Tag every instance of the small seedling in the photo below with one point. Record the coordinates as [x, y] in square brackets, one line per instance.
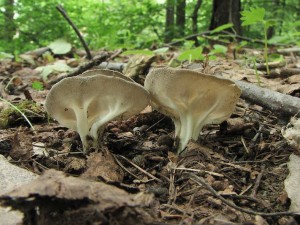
[256, 71]
[37, 85]
[254, 16]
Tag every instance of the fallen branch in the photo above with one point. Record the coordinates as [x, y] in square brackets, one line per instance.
[94, 62]
[64, 14]
[277, 102]
[209, 35]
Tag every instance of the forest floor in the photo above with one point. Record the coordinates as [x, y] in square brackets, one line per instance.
[234, 173]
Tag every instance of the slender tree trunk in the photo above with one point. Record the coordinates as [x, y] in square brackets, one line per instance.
[169, 25]
[271, 30]
[226, 11]
[195, 20]
[180, 17]
[9, 25]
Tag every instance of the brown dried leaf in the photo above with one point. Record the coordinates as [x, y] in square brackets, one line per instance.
[292, 182]
[21, 146]
[103, 165]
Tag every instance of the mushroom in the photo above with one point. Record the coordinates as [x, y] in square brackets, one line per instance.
[106, 72]
[88, 102]
[191, 99]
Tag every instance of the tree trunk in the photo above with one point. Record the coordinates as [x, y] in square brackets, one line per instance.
[9, 25]
[271, 30]
[195, 20]
[169, 25]
[180, 17]
[226, 11]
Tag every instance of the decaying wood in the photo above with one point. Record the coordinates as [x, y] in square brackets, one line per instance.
[263, 66]
[283, 72]
[278, 103]
[112, 66]
[289, 50]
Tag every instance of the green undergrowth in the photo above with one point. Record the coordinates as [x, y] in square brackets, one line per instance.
[23, 112]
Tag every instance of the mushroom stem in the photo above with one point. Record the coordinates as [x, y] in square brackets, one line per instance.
[177, 127]
[82, 126]
[187, 126]
[97, 127]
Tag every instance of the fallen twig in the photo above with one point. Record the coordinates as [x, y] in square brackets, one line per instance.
[257, 182]
[95, 61]
[124, 168]
[277, 102]
[140, 169]
[65, 15]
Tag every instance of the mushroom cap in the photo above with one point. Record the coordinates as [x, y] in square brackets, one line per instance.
[87, 103]
[191, 99]
[105, 72]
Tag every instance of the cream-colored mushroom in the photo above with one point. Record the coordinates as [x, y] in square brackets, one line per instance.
[106, 72]
[191, 99]
[87, 103]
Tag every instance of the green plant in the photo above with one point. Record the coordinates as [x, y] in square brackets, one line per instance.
[256, 71]
[191, 54]
[257, 16]
[37, 85]
[19, 111]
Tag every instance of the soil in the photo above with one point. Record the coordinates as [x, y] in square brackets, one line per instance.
[233, 174]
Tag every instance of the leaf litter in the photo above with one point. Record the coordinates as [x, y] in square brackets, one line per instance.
[234, 174]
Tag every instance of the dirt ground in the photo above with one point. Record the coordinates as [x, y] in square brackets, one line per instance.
[233, 174]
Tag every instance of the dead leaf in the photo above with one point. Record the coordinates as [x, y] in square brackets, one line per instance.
[75, 164]
[292, 133]
[293, 79]
[292, 182]
[21, 146]
[288, 88]
[103, 165]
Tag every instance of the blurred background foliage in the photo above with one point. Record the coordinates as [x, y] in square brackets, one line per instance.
[131, 24]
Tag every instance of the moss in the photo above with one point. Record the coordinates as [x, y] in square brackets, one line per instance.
[11, 117]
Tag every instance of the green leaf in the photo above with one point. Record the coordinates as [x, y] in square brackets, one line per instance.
[296, 34]
[4, 55]
[219, 49]
[222, 27]
[161, 50]
[276, 57]
[60, 47]
[59, 66]
[37, 85]
[192, 54]
[270, 23]
[253, 16]
[138, 52]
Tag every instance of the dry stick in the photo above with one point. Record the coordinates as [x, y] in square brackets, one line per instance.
[277, 102]
[64, 14]
[250, 39]
[95, 61]
[257, 182]
[201, 181]
[206, 33]
[142, 170]
[124, 168]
